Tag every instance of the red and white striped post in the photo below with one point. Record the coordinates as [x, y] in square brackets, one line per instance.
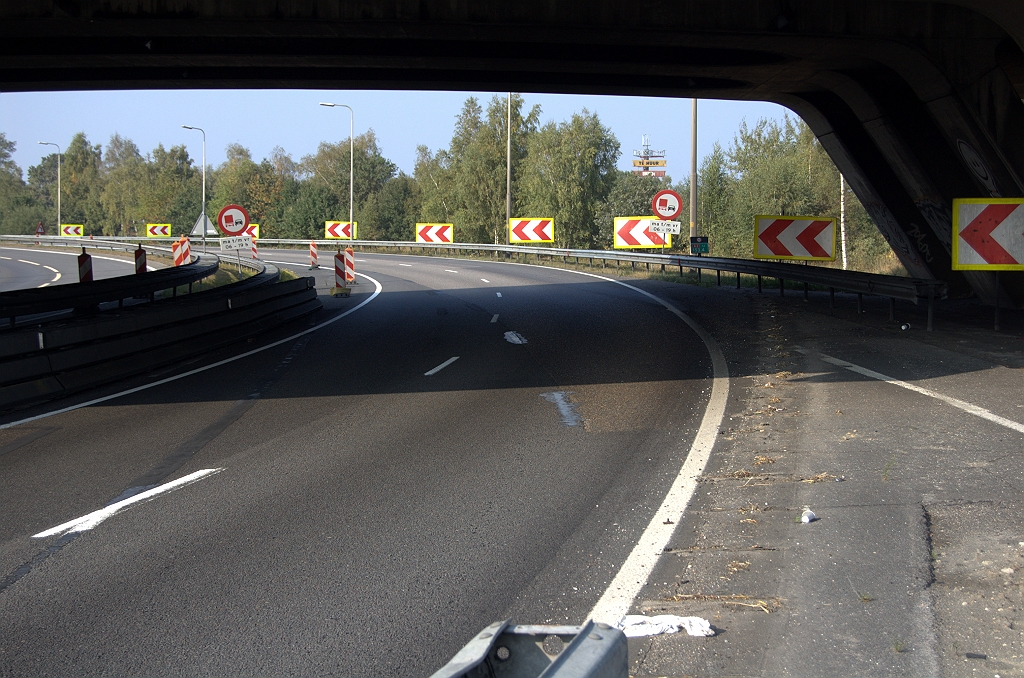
[140, 260]
[314, 258]
[339, 269]
[84, 267]
[350, 265]
[188, 250]
[255, 252]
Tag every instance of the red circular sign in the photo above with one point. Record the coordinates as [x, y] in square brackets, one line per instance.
[667, 204]
[233, 220]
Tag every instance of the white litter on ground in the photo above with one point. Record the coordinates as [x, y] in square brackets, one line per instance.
[638, 625]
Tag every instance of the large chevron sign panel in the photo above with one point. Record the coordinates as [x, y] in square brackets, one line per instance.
[635, 232]
[800, 238]
[436, 233]
[340, 230]
[527, 230]
[988, 234]
[158, 230]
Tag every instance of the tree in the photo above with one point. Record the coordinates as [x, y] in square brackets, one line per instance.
[569, 171]
[19, 210]
[127, 182]
[630, 195]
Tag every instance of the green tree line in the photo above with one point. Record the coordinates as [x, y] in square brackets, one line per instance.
[563, 170]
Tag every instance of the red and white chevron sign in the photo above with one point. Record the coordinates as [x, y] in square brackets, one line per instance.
[340, 230]
[531, 230]
[988, 234]
[435, 233]
[802, 238]
[635, 232]
[72, 230]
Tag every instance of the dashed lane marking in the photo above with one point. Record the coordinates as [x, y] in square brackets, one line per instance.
[494, 318]
[448, 270]
[485, 280]
[34, 263]
[410, 265]
[499, 295]
[440, 367]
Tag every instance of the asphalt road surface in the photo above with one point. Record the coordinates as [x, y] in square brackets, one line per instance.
[477, 441]
[25, 268]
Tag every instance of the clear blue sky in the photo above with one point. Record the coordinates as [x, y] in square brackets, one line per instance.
[262, 119]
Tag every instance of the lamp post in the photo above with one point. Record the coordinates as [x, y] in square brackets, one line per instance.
[50, 143]
[202, 215]
[351, 157]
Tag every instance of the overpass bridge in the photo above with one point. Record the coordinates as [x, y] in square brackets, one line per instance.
[918, 102]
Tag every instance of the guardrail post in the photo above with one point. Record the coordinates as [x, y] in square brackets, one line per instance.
[759, 284]
[698, 276]
[997, 302]
[718, 273]
[737, 279]
[860, 303]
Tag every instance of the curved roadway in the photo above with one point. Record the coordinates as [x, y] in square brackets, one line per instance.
[24, 268]
[377, 502]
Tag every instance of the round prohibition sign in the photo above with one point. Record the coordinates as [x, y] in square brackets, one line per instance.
[233, 220]
[667, 204]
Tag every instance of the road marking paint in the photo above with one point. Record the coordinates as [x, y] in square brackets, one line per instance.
[51, 268]
[440, 367]
[362, 260]
[631, 577]
[448, 270]
[566, 409]
[232, 359]
[514, 338]
[7, 258]
[499, 295]
[410, 265]
[29, 262]
[44, 285]
[91, 520]
[494, 318]
[485, 280]
[949, 400]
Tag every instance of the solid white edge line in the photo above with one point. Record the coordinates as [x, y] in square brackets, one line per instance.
[25, 261]
[949, 400]
[633, 574]
[440, 367]
[91, 520]
[232, 359]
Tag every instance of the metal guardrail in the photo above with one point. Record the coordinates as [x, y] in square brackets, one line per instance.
[916, 290]
[89, 295]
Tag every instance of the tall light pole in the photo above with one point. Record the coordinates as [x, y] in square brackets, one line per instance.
[202, 215]
[508, 166]
[693, 172]
[50, 143]
[351, 157]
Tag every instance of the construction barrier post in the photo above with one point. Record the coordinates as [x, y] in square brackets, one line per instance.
[314, 258]
[255, 252]
[140, 260]
[340, 289]
[350, 266]
[84, 267]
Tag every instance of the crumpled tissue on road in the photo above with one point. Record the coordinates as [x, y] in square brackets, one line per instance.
[638, 625]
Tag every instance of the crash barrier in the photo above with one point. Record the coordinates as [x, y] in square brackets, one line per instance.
[517, 651]
[60, 357]
[915, 290]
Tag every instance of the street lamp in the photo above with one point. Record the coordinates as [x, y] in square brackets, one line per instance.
[351, 157]
[50, 143]
[202, 216]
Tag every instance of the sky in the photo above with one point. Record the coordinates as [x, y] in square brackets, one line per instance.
[292, 119]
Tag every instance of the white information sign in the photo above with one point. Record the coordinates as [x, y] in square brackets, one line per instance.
[236, 242]
[666, 227]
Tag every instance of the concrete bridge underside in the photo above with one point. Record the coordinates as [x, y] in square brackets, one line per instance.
[918, 102]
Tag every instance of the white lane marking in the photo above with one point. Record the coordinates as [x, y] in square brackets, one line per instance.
[91, 520]
[494, 318]
[51, 268]
[485, 280]
[949, 400]
[45, 285]
[499, 295]
[448, 270]
[410, 265]
[29, 262]
[514, 338]
[144, 387]
[631, 577]
[362, 260]
[440, 367]
[7, 258]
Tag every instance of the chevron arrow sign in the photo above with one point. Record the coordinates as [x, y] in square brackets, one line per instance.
[340, 230]
[800, 238]
[158, 230]
[436, 233]
[72, 230]
[635, 232]
[525, 230]
[988, 234]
